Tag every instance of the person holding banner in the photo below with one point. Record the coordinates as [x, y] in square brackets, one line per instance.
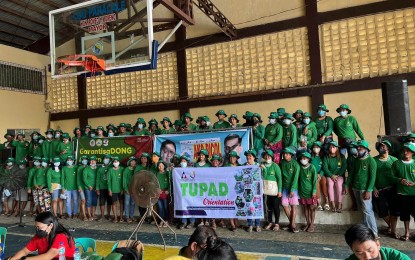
[155, 158]
[102, 187]
[271, 175]
[115, 188]
[233, 162]
[290, 169]
[184, 161]
[89, 178]
[250, 160]
[163, 176]
[307, 190]
[144, 162]
[202, 159]
[127, 174]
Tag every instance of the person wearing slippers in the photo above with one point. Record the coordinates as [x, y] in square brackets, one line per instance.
[290, 169]
[365, 245]
[115, 190]
[307, 190]
[403, 174]
[316, 160]
[271, 175]
[362, 179]
[334, 168]
[384, 192]
[251, 156]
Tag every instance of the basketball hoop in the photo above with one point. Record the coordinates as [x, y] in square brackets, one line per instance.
[90, 62]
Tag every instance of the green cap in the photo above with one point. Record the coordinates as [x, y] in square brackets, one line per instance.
[199, 118]
[50, 130]
[70, 157]
[385, 142]
[163, 162]
[221, 112]
[268, 152]
[410, 136]
[206, 118]
[364, 144]
[177, 122]
[21, 133]
[234, 116]
[216, 157]
[88, 126]
[322, 107]
[248, 114]
[273, 115]
[93, 157]
[185, 158]
[128, 125]
[156, 153]
[317, 143]
[107, 156]
[45, 159]
[288, 116]
[141, 120]
[145, 155]
[56, 159]
[306, 114]
[305, 154]
[289, 150]
[66, 136]
[153, 122]
[334, 143]
[37, 158]
[204, 151]
[353, 144]
[233, 154]
[187, 115]
[100, 128]
[58, 131]
[281, 111]
[410, 146]
[298, 111]
[122, 125]
[250, 151]
[257, 115]
[165, 119]
[132, 158]
[115, 158]
[84, 157]
[111, 126]
[22, 162]
[344, 106]
[10, 159]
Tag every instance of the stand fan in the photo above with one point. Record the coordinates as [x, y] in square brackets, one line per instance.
[145, 190]
[14, 180]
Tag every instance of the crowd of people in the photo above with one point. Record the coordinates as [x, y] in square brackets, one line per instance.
[298, 154]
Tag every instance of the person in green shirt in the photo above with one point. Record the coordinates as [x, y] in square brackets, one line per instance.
[346, 126]
[9, 168]
[204, 123]
[163, 177]
[100, 132]
[65, 147]
[54, 180]
[317, 161]
[362, 179]
[365, 245]
[307, 190]
[324, 125]
[153, 127]
[140, 128]
[403, 172]
[81, 186]
[351, 159]
[289, 131]
[115, 190]
[22, 147]
[187, 121]
[202, 159]
[89, 176]
[86, 131]
[221, 123]
[36, 149]
[77, 134]
[34, 137]
[334, 168]
[69, 187]
[384, 191]
[127, 174]
[234, 121]
[298, 120]
[233, 159]
[111, 130]
[41, 185]
[258, 132]
[56, 142]
[122, 129]
[34, 204]
[155, 157]
[177, 125]
[273, 137]
[102, 187]
[167, 126]
[308, 130]
[47, 144]
[249, 119]
[144, 162]
[271, 176]
[290, 169]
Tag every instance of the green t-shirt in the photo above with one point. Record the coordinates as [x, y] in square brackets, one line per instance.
[346, 127]
[318, 164]
[310, 131]
[333, 166]
[384, 176]
[143, 132]
[40, 177]
[167, 131]
[102, 177]
[386, 254]
[69, 177]
[126, 177]
[402, 170]
[164, 180]
[350, 163]
[30, 177]
[89, 177]
[68, 147]
[290, 171]
[307, 181]
[273, 133]
[207, 164]
[140, 167]
[272, 172]
[289, 136]
[22, 149]
[221, 124]
[324, 126]
[258, 139]
[363, 175]
[47, 148]
[115, 179]
[80, 177]
[53, 176]
[55, 145]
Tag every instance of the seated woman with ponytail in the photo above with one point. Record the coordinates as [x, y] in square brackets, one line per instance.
[216, 249]
[49, 235]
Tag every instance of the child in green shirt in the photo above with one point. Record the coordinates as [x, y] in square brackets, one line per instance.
[102, 187]
[69, 186]
[129, 204]
[307, 190]
[54, 179]
[115, 189]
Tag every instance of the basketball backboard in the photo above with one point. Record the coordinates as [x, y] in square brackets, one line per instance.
[121, 32]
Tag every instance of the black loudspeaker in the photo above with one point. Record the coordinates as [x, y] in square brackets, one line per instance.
[396, 107]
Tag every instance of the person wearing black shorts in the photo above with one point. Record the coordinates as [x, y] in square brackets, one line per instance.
[102, 187]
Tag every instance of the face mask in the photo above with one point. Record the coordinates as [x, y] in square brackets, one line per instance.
[306, 121]
[272, 121]
[183, 164]
[36, 163]
[287, 121]
[35, 137]
[116, 164]
[155, 159]
[208, 123]
[382, 151]
[110, 134]
[92, 135]
[57, 164]
[86, 133]
[316, 150]
[40, 141]
[269, 161]
[362, 153]
[44, 164]
[343, 113]
[22, 166]
[41, 233]
[57, 135]
[9, 164]
[69, 163]
[304, 162]
[106, 161]
[321, 113]
[93, 164]
[140, 126]
[84, 162]
[49, 136]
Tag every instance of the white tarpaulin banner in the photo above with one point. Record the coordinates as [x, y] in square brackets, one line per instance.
[222, 192]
